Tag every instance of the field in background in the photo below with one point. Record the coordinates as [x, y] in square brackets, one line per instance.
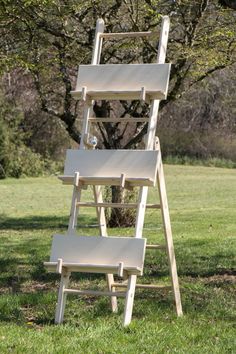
[202, 202]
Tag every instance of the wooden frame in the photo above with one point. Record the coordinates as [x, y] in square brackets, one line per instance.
[146, 82]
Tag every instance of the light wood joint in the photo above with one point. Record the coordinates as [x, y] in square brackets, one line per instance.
[59, 266]
[76, 179]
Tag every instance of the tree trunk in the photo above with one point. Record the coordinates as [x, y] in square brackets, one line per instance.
[118, 217]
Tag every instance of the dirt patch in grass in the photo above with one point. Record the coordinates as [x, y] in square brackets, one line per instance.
[220, 279]
[228, 278]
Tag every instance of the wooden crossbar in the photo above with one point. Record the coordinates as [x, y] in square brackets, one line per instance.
[95, 292]
[120, 35]
[116, 120]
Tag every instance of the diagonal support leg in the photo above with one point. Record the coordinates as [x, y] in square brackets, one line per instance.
[103, 232]
[129, 300]
[61, 300]
[169, 239]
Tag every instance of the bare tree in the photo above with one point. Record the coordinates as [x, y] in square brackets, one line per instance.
[49, 40]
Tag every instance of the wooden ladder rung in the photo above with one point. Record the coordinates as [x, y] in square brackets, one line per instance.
[160, 247]
[143, 286]
[95, 292]
[119, 35]
[108, 205]
[117, 120]
[115, 205]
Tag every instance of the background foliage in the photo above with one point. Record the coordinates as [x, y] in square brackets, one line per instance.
[43, 42]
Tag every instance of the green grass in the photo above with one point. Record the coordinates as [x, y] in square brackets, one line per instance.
[193, 161]
[202, 202]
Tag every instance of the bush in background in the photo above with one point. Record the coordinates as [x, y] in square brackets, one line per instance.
[17, 159]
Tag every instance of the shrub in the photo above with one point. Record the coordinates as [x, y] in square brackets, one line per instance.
[188, 146]
[16, 159]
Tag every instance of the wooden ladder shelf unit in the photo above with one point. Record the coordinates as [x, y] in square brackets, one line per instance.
[125, 168]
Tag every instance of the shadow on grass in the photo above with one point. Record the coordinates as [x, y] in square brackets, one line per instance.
[35, 222]
[22, 257]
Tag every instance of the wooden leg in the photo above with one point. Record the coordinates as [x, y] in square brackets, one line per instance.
[142, 200]
[97, 191]
[169, 239]
[74, 211]
[129, 300]
[61, 300]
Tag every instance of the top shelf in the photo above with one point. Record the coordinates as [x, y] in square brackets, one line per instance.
[122, 81]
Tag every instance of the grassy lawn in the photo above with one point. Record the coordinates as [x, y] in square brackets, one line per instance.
[202, 202]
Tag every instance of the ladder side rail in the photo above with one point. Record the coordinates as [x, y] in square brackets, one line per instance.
[97, 189]
[151, 133]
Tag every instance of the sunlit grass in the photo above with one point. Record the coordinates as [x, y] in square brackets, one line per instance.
[202, 204]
